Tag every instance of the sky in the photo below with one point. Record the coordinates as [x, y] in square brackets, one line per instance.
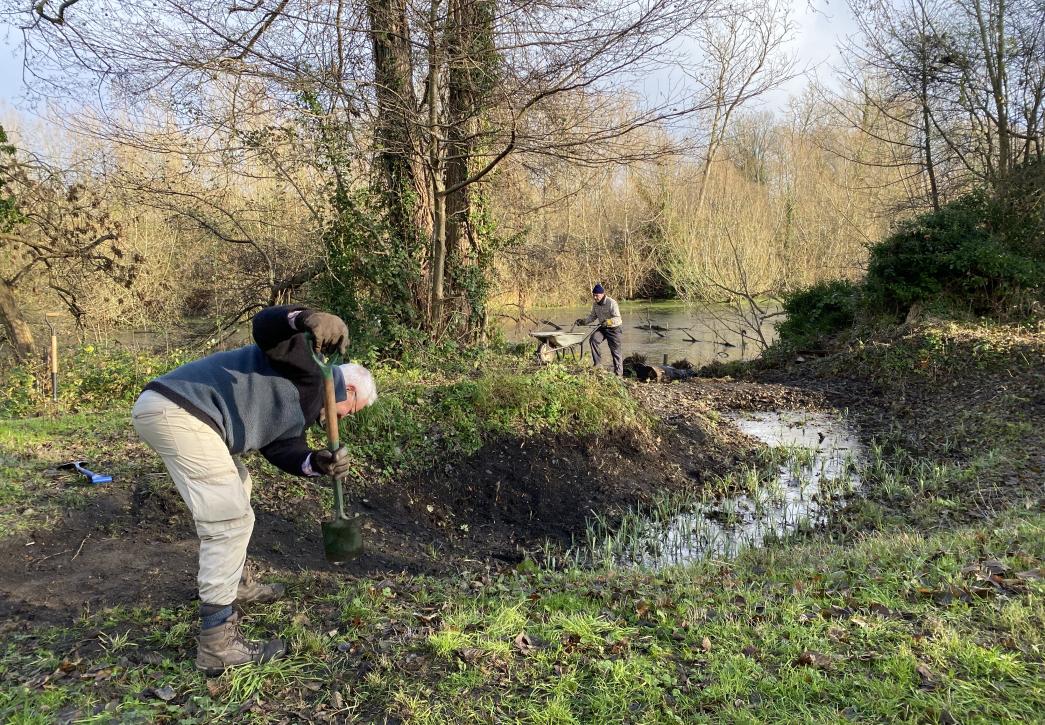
[820, 25]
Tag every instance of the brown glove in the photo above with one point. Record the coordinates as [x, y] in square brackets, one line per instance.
[329, 463]
[329, 331]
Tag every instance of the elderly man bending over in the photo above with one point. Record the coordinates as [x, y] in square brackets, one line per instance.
[202, 416]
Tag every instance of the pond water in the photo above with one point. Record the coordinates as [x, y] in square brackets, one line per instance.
[701, 335]
[816, 457]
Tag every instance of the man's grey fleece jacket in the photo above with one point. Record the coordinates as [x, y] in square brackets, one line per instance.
[260, 397]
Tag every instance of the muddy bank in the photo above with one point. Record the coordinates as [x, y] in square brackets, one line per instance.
[957, 408]
[132, 542]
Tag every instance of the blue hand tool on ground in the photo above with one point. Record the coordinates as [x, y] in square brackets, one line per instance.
[94, 478]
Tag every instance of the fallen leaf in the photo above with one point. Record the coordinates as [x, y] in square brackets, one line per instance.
[471, 655]
[214, 687]
[427, 618]
[165, 693]
[993, 566]
[413, 663]
[1031, 575]
[705, 644]
[929, 680]
[881, 610]
[523, 643]
[836, 612]
[818, 660]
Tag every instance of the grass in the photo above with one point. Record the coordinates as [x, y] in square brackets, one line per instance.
[32, 491]
[432, 409]
[923, 601]
[899, 627]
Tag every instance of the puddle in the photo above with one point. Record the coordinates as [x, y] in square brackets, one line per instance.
[817, 457]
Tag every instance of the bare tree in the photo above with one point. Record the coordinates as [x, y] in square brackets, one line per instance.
[499, 79]
[744, 61]
[958, 82]
[60, 228]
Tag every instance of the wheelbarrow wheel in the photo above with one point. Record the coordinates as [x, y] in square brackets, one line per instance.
[545, 353]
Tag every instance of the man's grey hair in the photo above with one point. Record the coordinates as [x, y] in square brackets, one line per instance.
[362, 380]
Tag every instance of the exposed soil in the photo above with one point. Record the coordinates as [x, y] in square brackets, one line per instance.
[133, 542]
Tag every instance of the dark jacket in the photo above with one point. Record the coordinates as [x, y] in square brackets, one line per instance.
[259, 397]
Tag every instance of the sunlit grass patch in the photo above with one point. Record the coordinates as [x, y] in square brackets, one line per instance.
[813, 632]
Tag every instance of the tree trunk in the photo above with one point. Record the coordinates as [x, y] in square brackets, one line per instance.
[18, 331]
[471, 53]
[398, 163]
[992, 39]
[660, 373]
[436, 171]
[934, 192]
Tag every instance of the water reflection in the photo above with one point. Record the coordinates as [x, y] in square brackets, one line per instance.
[679, 331]
[816, 458]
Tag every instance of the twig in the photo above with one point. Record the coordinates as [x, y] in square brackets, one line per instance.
[81, 547]
[37, 562]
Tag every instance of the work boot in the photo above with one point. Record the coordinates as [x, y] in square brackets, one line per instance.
[254, 591]
[223, 646]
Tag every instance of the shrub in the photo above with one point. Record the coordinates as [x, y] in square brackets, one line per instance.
[90, 378]
[819, 311]
[952, 256]
[1018, 214]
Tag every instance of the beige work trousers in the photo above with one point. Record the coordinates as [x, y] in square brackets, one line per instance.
[214, 485]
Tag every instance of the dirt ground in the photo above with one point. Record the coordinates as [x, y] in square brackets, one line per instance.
[134, 544]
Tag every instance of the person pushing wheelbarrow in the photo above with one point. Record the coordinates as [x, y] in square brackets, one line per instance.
[202, 416]
[606, 311]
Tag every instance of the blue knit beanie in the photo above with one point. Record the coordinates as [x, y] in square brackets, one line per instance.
[597, 290]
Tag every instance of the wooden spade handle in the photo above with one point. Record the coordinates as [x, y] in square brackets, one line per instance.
[330, 406]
